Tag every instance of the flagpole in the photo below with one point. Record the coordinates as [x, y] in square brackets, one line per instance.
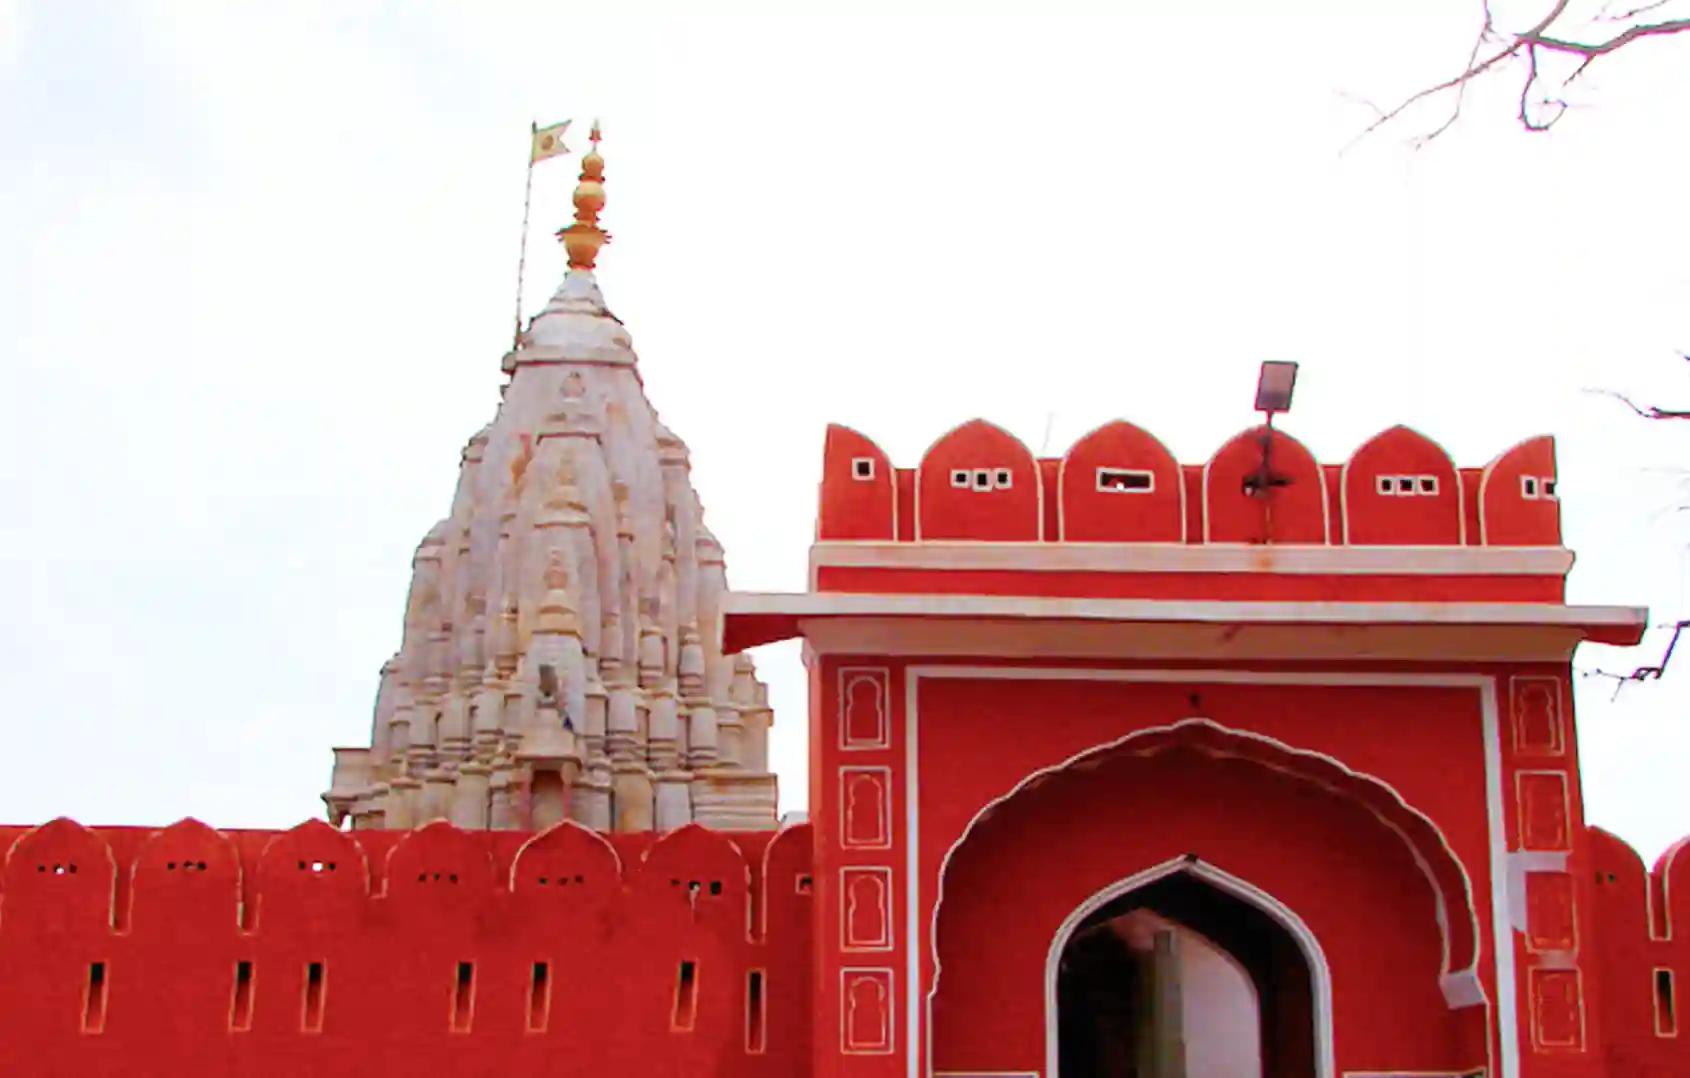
[522, 251]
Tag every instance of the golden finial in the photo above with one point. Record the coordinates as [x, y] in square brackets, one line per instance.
[584, 238]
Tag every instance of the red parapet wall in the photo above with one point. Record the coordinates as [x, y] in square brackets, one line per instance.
[1119, 484]
[192, 951]
[1641, 922]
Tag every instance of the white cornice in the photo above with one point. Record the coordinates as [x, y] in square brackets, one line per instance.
[1193, 558]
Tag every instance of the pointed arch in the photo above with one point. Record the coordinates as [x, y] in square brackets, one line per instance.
[859, 497]
[1295, 508]
[1400, 488]
[1119, 483]
[1003, 499]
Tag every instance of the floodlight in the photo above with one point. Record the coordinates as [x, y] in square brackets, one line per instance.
[1274, 386]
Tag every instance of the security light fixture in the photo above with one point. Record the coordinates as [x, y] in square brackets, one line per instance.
[1274, 386]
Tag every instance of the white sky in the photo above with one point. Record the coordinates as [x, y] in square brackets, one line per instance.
[255, 280]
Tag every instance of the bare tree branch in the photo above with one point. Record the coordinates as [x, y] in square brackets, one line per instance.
[1506, 47]
[1646, 673]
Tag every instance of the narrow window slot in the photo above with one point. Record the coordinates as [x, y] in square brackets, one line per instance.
[686, 997]
[1666, 1008]
[539, 997]
[982, 479]
[1528, 486]
[1405, 484]
[754, 1024]
[1428, 484]
[240, 1006]
[311, 1018]
[959, 478]
[94, 999]
[463, 998]
[1386, 486]
[862, 467]
[1126, 480]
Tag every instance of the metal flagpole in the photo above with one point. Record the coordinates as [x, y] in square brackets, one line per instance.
[522, 252]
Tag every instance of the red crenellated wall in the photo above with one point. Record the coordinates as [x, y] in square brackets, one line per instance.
[1399, 488]
[323, 952]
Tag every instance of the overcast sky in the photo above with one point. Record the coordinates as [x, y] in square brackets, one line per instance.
[256, 272]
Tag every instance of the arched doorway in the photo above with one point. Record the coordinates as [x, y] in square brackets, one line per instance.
[1178, 978]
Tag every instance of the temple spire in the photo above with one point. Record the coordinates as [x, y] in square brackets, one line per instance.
[583, 239]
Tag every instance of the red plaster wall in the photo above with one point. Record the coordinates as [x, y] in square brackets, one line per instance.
[1091, 515]
[613, 936]
[945, 512]
[1419, 519]
[1507, 517]
[1293, 513]
[853, 507]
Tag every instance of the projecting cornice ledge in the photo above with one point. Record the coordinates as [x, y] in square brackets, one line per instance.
[1020, 626]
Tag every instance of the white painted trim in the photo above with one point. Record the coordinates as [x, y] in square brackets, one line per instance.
[891, 1012]
[1289, 559]
[1665, 862]
[1320, 973]
[516, 859]
[890, 941]
[1521, 773]
[1246, 612]
[1655, 1000]
[887, 807]
[882, 677]
[1503, 1053]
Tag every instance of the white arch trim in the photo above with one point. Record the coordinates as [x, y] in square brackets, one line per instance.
[1461, 988]
[1320, 973]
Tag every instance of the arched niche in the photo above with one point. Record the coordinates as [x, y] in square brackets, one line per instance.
[979, 482]
[1263, 486]
[1401, 489]
[858, 489]
[1365, 882]
[1120, 484]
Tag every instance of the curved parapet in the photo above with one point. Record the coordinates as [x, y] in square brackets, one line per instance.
[1120, 484]
[979, 482]
[1519, 497]
[1401, 489]
[1263, 486]
[568, 861]
[310, 876]
[858, 488]
[59, 879]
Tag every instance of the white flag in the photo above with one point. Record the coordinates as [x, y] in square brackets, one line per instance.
[548, 142]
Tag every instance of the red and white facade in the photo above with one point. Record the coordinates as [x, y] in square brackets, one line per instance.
[1330, 699]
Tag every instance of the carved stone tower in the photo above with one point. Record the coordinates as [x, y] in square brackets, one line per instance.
[560, 656]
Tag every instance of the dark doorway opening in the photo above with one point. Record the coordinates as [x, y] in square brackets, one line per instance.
[1179, 979]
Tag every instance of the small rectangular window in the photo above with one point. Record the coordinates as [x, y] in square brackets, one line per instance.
[959, 478]
[982, 479]
[240, 1008]
[1548, 488]
[686, 998]
[1126, 480]
[1386, 485]
[463, 998]
[803, 884]
[1666, 1007]
[862, 467]
[311, 1018]
[1428, 484]
[94, 999]
[1528, 486]
[539, 997]
[1405, 484]
[1004, 478]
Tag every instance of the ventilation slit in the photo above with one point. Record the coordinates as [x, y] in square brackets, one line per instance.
[1666, 1010]
[311, 1020]
[539, 997]
[463, 998]
[686, 997]
[754, 1012]
[240, 1007]
[94, 1000]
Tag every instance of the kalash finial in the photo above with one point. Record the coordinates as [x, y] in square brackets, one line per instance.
[584, 238]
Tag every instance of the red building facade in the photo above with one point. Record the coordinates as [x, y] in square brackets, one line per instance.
[1316, 716]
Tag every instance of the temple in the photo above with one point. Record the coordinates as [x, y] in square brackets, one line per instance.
[1259, 767]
